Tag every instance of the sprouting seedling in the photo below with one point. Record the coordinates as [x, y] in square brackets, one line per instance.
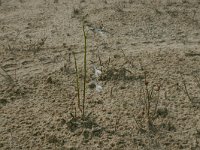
[77, 81]
[85, 71]
[85, 76]
[97, 72]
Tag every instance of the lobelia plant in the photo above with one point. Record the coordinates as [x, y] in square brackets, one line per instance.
[85, 71]
[81, 104]
[81, 107]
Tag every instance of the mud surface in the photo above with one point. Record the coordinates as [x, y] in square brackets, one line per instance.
[147, 51]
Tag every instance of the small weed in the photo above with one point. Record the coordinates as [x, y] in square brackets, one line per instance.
[80, 106]
[149, 95]
[77, 82]
[82, 120]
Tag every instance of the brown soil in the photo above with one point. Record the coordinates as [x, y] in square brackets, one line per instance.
[146, 50]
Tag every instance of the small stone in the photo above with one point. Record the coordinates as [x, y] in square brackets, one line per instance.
[49, 80]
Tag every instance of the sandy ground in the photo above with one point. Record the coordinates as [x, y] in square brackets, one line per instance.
[140, 46]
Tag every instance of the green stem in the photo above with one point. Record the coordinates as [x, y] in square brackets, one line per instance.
[77, 81]
[85, 71]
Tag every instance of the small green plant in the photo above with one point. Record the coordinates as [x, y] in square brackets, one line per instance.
[81, 104]
[150, 96]
[77, 81]
[83, 120]
[81, 107]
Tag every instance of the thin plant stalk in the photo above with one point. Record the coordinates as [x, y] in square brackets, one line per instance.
[157, 100]
[197, 80]
[147, 96]
[85, 71]
[185, 87]
[77, 81]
